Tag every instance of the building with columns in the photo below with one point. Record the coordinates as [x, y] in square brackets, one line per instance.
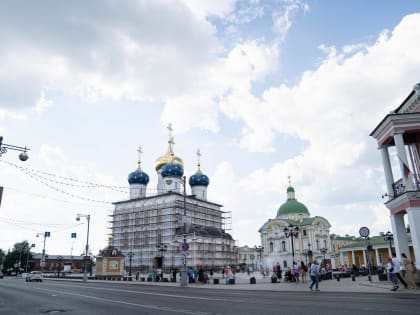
[312, 240]
[399, 133]
[356, 252]
[149, 228]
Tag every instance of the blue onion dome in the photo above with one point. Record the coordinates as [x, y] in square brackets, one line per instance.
[199, 179]
[138, 177]
[172, 170]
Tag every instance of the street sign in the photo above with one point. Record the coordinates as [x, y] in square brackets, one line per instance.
[364, 231]
[73, 235]
[47, 234]
[185, 247]
[32, 245]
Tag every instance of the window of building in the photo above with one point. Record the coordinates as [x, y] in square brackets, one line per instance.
[325, 243]
[304, 232]
[317, 244]
[283, 246]
[271, 247]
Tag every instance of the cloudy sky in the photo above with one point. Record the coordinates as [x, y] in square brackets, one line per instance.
[265, 89]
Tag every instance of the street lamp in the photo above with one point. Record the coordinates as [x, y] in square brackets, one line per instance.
[389, 237]
[293, 232]
[162, 248]
[130, 259]
[46, 234]
[185, 246]
[4, 147]
[87, 216]
[323, 252]
[59, 261]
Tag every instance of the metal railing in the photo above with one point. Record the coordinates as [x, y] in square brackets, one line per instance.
[399, 188]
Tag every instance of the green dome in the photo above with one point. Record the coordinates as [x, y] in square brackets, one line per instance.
[290, 189]
[292, 206]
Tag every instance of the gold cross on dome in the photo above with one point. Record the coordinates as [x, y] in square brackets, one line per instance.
[290, 180]
[198, 158]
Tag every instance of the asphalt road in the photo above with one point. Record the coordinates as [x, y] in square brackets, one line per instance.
[59, 297]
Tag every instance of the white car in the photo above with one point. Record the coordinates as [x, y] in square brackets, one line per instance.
[34, 276]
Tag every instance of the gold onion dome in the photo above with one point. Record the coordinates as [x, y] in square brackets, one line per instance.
[169, 157]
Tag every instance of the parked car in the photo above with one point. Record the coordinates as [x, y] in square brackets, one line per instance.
[34, 276]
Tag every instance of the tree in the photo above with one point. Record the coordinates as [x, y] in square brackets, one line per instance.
[16, 258]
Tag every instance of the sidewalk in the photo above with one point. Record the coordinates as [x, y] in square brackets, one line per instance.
[242, 282]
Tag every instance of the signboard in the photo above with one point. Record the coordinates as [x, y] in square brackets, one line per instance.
[185, 247]
[73, 235]
[47, 234]
[364, 231]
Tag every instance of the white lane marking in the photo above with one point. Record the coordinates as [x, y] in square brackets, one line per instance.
[152, 293]
[127, 303]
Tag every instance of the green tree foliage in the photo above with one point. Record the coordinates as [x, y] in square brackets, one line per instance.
[16, 258]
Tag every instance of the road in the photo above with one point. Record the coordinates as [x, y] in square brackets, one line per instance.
[59, 297]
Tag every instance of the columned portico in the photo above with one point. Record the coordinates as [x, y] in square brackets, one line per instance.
[401, 129]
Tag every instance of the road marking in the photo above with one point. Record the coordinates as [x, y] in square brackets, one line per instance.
[153, 293]
[165, 308]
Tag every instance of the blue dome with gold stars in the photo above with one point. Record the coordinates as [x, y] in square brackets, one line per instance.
[172, 170]
[199, 179]
[138, 177]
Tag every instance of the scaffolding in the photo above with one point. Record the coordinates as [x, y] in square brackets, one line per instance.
[143, 230]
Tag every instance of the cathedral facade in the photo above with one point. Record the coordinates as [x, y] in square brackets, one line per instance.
[170, 229]
[294, 236]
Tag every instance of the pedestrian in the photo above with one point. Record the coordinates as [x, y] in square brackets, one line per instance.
[391, 274]
[296, 273]
[303, 271]
[314, 273]
[278, 271]
[397, 267]
[409, 268]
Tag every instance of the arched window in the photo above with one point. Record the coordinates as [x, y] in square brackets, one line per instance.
[283, 246]
[317, 244]
[271, 247]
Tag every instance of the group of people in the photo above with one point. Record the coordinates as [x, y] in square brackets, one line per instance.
[393, 268]
[299, 272]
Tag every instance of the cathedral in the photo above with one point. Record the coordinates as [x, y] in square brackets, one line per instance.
[170, 229]
[294, 236]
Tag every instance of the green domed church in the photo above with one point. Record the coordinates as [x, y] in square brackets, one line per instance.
[293, 235]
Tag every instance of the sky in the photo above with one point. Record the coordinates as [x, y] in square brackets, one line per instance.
[265, 90]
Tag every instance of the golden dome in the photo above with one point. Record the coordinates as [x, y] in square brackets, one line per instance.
[169, 156]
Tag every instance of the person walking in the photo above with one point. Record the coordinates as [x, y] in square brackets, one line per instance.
[408, 266]
[397, 267]
[314, 273]
[391, 274]
[303, 271]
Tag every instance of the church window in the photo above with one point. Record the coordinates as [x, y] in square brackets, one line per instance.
[304, 232]
[271, 247]
[317, 244]
[283, 246]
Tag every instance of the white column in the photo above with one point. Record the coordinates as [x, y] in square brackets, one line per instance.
[402, 157]
[353, 259]
[386, 163]
[364, 258]
[413, 215]
[389, 252]
[378, 261]
[341, 259]
[400, 234]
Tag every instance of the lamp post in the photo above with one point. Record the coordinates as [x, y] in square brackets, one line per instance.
[130, 259]
[389, 237]
[323, 252]
[42, 264]
[4, 147]
[259, 249]
[185, 246]
[162, 248]
[291, 232]
[87, 216]
[309, 252]
[59, 261]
